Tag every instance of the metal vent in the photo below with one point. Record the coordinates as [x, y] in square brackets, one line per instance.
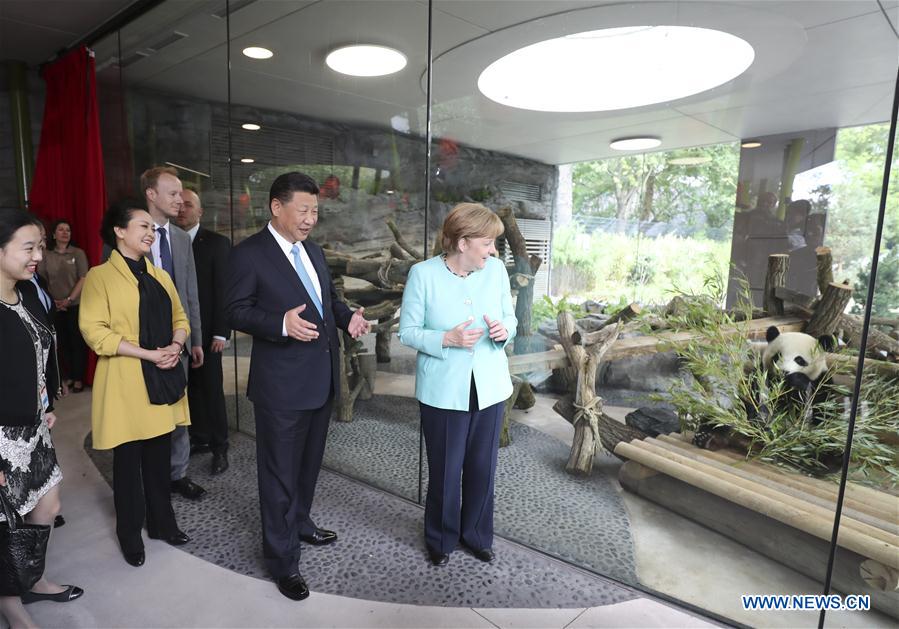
[168, 40]
[536, 237]
[518, 191]
[236, 5]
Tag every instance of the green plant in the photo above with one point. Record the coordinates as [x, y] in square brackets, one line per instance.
[545, 309]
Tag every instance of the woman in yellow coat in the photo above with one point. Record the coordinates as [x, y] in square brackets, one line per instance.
[132, 318]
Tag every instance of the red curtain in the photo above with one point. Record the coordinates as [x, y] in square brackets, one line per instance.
[68, 179]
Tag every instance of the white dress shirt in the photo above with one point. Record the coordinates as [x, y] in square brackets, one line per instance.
[154, 248]
[286, 246]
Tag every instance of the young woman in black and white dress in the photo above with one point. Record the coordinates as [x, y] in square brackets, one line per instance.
[29, 383]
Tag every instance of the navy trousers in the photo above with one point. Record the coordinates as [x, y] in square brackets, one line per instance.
[462, 448]
[289, 450]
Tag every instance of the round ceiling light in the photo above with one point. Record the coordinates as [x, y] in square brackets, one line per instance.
[751, 144]
[690, 161]
[247, 160]
[616, 68]
[635, 144]
[366, 60]
[255, 52]
[249, 126]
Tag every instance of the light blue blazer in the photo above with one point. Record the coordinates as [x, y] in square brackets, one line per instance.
[435, 301]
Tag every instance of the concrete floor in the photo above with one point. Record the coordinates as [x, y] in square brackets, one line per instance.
[175, 589]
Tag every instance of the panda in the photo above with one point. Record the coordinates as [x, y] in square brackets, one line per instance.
[800, 360]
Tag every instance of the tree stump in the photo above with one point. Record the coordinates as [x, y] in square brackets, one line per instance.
[505, 437]
[526, 397]
[382, 342]
[824, 260]
[829, 310]
[776, 277]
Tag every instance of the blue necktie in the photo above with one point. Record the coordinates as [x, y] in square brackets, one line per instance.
[165, 253]
[307, 281]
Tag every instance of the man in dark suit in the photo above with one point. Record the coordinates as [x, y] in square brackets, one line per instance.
[172, 252]
[208, 417]
[280, 291]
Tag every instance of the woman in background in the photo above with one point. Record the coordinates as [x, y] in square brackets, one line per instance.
[132, 318]
[64, 268]
[457, 312]
[29, 384]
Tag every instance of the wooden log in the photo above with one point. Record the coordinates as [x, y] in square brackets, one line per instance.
[384, 310]
[372, 295]
[368, 369]
[776, 276]
[885, 322]
[526, 397]
[628, 313]
[794, 297]
[401, 241]
[398, 252]
[824, 261]
[505, 436]
[789, 512]
[826, 315]
[879, 343]
[525, 264]
[879, 576]
[384, 273]
[382, 342]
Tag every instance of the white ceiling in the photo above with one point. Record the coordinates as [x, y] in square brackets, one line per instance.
[33, 30]
[818, 64]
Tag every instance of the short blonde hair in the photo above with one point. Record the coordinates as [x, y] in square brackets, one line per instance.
[150, 177]
[469, 220]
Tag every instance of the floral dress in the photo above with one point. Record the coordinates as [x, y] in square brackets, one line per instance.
[30, 459]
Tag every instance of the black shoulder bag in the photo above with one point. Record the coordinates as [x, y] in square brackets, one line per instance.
[23, 549]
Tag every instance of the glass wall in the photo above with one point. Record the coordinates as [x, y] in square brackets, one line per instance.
[752, 203]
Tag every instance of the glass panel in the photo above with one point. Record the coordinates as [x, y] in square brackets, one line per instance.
[362, 139]
[737, 158]
[863, 573]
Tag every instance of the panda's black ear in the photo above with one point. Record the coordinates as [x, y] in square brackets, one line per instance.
[772, 333]
[827, 342]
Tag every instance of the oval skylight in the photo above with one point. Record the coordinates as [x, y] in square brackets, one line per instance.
[366, 60]
[615, 68]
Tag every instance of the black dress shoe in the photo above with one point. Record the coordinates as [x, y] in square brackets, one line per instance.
[219, 462]
[70, 593]
[438, 559]
[484, 554]
[135, 559]
[293, 587]
[320, 537]
[58, 521]
[188, 488]
[178, 538]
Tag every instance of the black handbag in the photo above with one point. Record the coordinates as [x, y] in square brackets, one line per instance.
[23, 550]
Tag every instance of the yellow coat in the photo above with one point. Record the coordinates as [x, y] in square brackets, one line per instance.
[121, 409]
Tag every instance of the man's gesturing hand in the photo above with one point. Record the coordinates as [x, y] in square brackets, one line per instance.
[358, 325]
[297, 327]
[460, 337]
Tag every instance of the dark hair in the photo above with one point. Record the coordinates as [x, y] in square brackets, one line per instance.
[12, 221]
[285, 185]
[118, 215]
[51, 238]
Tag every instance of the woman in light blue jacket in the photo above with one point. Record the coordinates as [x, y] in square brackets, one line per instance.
[457, 312]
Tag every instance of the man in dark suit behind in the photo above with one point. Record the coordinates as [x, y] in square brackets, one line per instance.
[208, 417]
[280, 291]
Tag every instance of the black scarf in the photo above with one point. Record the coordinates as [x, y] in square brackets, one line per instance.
[164, 386]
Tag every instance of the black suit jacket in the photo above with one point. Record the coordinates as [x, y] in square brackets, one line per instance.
[211, 257]
[285, 374]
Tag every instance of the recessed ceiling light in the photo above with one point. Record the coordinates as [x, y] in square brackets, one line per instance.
[690, 161]
[635, 144]
[255, 52]
[247, 160]
[366, 60]
[751, 144]
[625, 67]
[249, 126]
